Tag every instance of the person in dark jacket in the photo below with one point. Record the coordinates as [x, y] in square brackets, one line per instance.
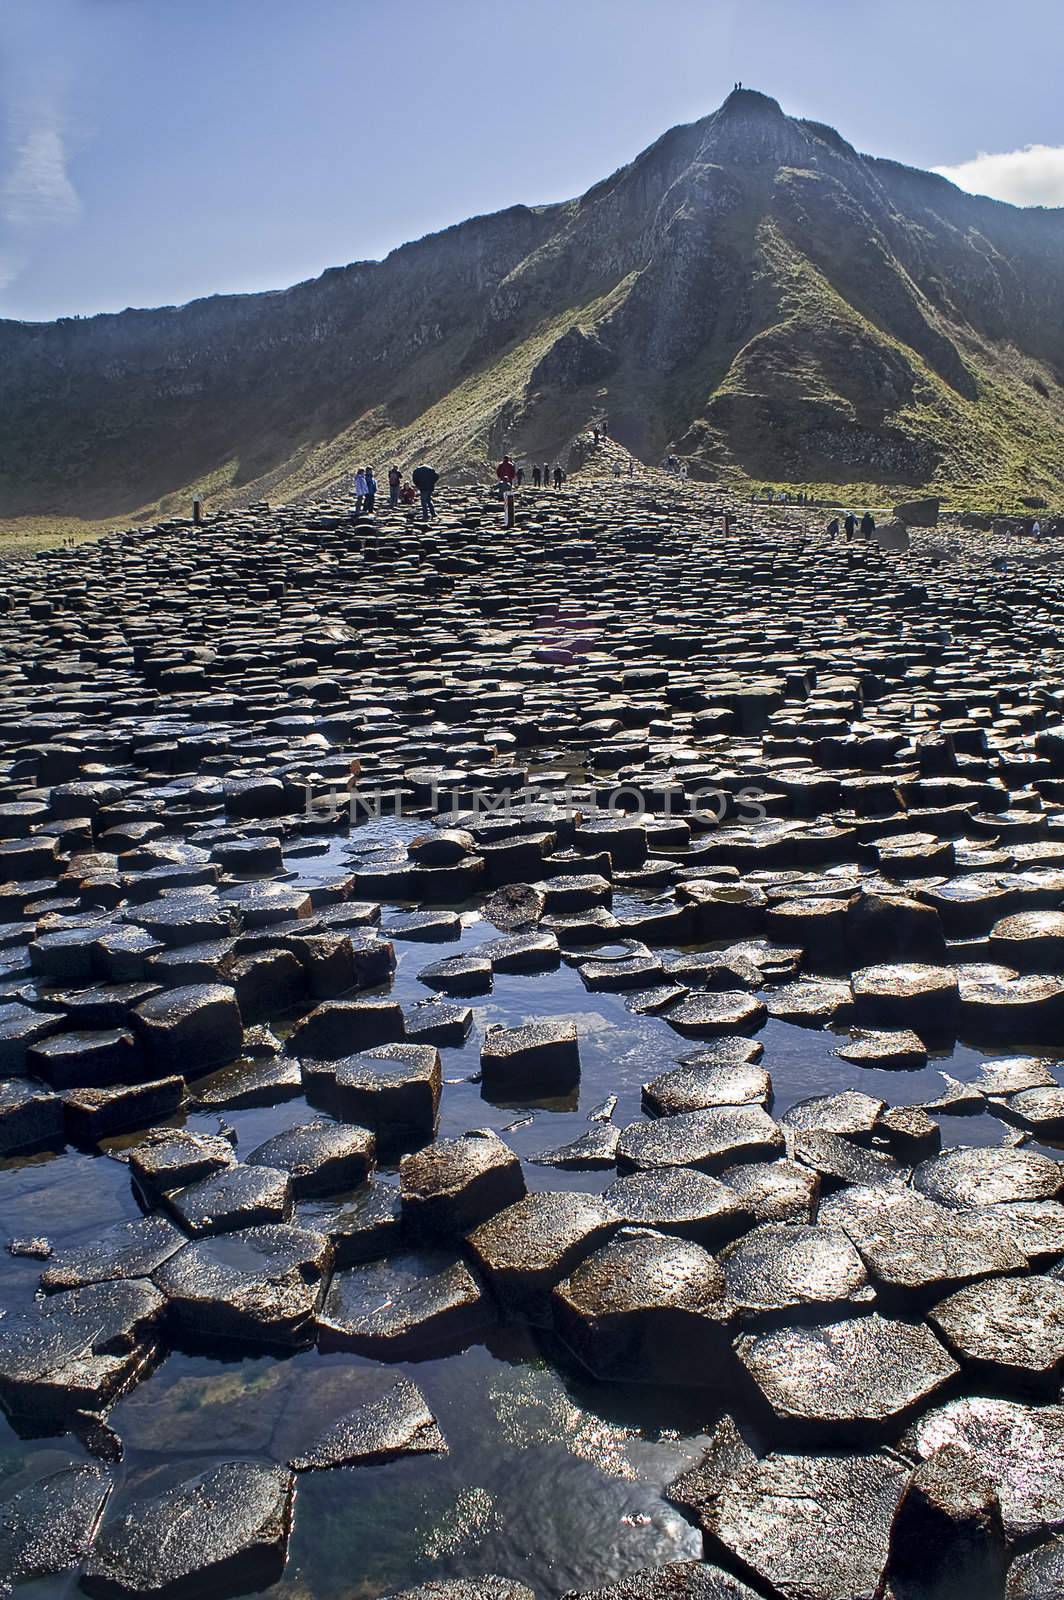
[546, 475]
[868, 525]
[371, 491]
[536, 477]
[849, 522]
[833, 527]
[425, 480]
[519, 480]
[559, 477]
[395, 483]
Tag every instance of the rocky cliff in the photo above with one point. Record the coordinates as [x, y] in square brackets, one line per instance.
[750, 292]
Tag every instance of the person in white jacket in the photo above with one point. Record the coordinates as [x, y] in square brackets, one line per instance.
[361, 490]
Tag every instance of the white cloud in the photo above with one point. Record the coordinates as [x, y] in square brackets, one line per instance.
[1033, 176]
[37, 191]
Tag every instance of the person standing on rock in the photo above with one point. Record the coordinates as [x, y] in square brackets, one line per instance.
[849, 522]
[536, 477]
[546, 475]
[395, 483]
[559, 477]
[371, 492]
[868, 525]
[833, 528]
[425, 480]
[519, 480]
[361, 490]
[506, 472]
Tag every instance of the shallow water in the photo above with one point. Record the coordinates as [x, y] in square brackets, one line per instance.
[550, 1478]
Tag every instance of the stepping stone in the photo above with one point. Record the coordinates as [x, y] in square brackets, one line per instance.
[236, 1197]
[319, 1157]
[394, 1090]
[190, 1029]
[458, 975]
[93, 1114]
[1005, 1328]
[910, 1242]
[396, 1423]
[97, 1056]
[363, 1228]
[77, 1351]
[30, 1118]
[20, 1027]
[851, 1114]
[1038, 1573]
[540, 1059]
[677, 1580]
[774, 1191]
[908, 995]
[700, 1087]
[593, 1150]
[437, 1023]
[812, 1002]
[453, 1185]
[128, 1250]
[781, 1266]
[172, 1158]
[48, 1527]
[227, 1529]
[404, 1307]
[1022, 1447]
[704, 1016]
[339, 1028]
[862, 1373]
[1013, 1074]
[259, 1286]
[529, 1247]
[490, 1587]
[1030, 941]
[697, 1490]
[708, 1140]
[947, 1534]
[898, 1048]
[973, 1176]
[682, 1201]
[817, 1527]
[1040, 1111]
[839, 1160]
[646, 1307]
[247, 1083]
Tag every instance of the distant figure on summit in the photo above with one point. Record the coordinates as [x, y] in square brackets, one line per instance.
[425, 480]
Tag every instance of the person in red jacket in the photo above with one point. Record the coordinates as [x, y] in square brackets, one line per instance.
[506, 472]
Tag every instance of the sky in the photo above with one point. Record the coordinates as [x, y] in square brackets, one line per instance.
[152, 151]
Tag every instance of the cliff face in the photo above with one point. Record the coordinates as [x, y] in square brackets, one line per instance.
[750, 291]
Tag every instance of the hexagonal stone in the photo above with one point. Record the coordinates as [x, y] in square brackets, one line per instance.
[1006, 1328]
[1039, 1111]
[1030, 941]
[851, 1114]
[646, 1307]
[899, 1047]
[362, 1228]
[908, 995]
[839, 1160]
[30, 1118]
[319, 1157]
[775, 1191]
[395, 1423]
[339, 1028]
[172, 1158]
[677, 1580]
[911, 1242]
[528, 1248]
[811, 1002]
[48, 1526]
[236, 1197]
[784, 1265]
[190, 1029]
[261, 1285]
[1021, 1446]
[947, 1536]
[697, 1490]
[865, 1371]
[94, 1114]
[1035, 1227]
[406, 1306]
[20, 1027]
[225, 1530]
[705, 1015]
[78, 1350]
[975, 1176]
[708, 1140]
[696, 1088]
[679, 1200]
[812, 1527]
[128, 1250]
[1028, 1007]
[592, 1151]
[1038, 1573]
[454, 1185]
[485, 1587]
[1012, 1075]
[394, 1090]
[540, 1059]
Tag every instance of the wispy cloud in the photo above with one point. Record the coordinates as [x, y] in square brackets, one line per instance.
[36, 190]
[1033, 176]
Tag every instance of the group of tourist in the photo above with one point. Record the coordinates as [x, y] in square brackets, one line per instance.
[510, 476]
[849, 524]
[423, 481]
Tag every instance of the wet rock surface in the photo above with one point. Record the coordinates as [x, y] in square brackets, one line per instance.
[620, 994]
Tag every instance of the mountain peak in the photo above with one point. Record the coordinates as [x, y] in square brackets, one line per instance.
[750, 103]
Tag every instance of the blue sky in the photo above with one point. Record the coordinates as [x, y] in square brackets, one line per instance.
[156, 150]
